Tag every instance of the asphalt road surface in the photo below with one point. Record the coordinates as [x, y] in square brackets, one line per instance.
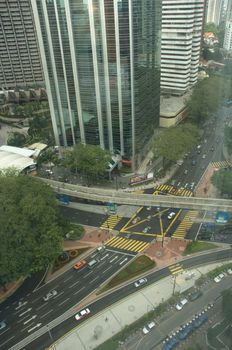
[45, 340]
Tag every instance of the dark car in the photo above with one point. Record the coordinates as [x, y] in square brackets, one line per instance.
[195, 295]
[185, 331]
[199, 320]
[171, 343]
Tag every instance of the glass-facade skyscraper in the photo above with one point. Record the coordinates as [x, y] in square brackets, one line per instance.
[101, 61]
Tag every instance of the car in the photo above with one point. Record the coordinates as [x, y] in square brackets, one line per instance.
[146, 229]
[171, 215]
[229, 271]
[180, 162]
[140, 282]
[195, 295]
[2, 325]
[221, 275]
[101, 249]
[217, 279]
[203, 156]
[148, 327]
[186, 171]
[79, 264]
[193, 162]
[50, 295]
[180, 305]
[82, 313]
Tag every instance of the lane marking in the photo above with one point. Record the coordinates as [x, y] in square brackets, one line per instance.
[46, 314]
[1, 345]
[78, 291]
[64, 301]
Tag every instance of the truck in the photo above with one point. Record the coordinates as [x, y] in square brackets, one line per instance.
[140, 179]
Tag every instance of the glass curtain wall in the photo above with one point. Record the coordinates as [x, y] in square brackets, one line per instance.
[102, 63]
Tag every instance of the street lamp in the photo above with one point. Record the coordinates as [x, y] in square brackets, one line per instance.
[174, 284]
[161, 227]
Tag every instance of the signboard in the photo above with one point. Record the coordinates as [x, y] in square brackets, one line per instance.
[222, 217]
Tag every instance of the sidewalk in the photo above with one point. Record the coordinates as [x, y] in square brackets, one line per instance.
[112, 320]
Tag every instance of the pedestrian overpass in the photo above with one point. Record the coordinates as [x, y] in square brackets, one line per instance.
[131, 198]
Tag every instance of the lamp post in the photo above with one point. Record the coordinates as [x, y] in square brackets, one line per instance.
[174, 284]
[161, 227]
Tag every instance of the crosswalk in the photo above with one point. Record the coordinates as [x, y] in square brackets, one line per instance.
[175, 268]
[185, 225]
[110, 222]
[131, 245]
[173, 190]
[221, 164]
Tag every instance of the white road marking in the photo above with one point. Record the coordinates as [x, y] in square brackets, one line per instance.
[72, 285]
[106, 269]
[23, 313]
[32, 318]
[78, 291]
[33, 301]
[40, 307]
[93, 280]
[63, 302]
[1, 345]
[46, 313]
[67, 279]
[115, 258]
[87, 274]
[36, 326]
[59, 294]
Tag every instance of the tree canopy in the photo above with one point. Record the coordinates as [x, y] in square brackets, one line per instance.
[205, 99]
[174, 142]
[222, 179]
[88, 159]
[30, 233]
[16, 139]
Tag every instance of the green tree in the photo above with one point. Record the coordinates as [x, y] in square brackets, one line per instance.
[174, 142]
[40, 128]
[16, 139]
[222, 179]
[228, 138]
[227, 304]
[211, 27]
[205, 99]
[89, 160]
[30, 234]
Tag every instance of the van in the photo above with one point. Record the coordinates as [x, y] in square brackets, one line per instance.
[92, 263]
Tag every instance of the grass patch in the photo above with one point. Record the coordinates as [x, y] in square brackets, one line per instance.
[194, 247]
[139, 265]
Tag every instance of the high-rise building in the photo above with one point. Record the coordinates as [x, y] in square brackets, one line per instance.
[101, 61]
[214, 9]
[182, 22]
[227, 45]
[20, 64]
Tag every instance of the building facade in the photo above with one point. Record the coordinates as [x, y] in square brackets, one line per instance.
[101, 60]
[20, 64]
[227, 45]
[214, 11]
[182, 22]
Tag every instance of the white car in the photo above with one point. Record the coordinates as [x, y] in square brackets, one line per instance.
[217, 279]
[229, 271]
[221, 275]
[82, 314]
[140, 282]
[181, 304]
[148, 327]
[50, 295]
[171, 215]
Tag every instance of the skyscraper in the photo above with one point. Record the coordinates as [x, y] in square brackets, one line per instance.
[214, 9]
[20, 64]
[182, 22]
[102, 69]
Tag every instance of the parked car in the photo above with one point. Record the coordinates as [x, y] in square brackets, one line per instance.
[195, 295]
[180, 305]
[218, 278]
[82, 313]
[140, 282]
[229, 271]
[148, 327]
[79, 264]
[2, 325]
[50, 295]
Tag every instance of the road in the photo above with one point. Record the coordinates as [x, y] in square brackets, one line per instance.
[24, 315]
[57, 329]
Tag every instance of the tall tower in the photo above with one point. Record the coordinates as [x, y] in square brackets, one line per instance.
[214, 11]
[182, 22]
[102, 70]
[20, 64]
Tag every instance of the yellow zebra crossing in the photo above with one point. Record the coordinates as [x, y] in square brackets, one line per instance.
[221, 164]
[126, 244]
[110, 222]
[138, 191]
[173, 190]
[176, 268]
[185, 225]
